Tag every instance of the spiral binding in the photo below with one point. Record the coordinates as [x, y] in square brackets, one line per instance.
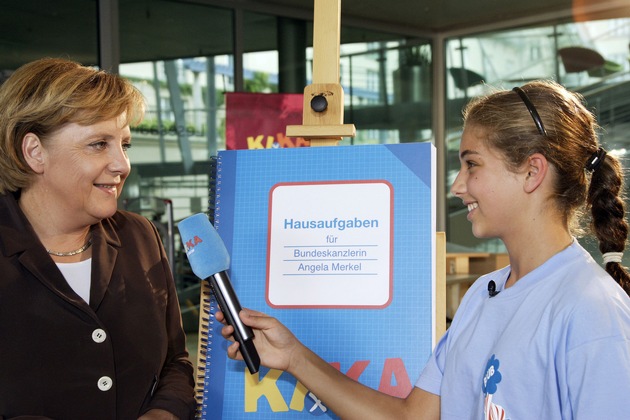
[206, 305]
[206, 301]
[217, 193]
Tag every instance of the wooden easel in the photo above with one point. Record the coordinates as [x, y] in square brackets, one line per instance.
[322, 117]
[440, 285]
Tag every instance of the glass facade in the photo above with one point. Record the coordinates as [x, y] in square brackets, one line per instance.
[388, 88]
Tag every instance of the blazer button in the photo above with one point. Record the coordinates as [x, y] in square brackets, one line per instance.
[105, 383]
[99, 335]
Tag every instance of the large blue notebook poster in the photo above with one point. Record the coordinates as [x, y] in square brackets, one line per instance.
[338, 243]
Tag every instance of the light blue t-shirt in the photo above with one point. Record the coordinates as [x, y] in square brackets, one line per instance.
[556, 345]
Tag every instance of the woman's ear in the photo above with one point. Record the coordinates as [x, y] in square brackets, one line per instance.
[537, 169]
[33, 152]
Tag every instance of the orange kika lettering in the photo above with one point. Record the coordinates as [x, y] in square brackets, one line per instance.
[394, 381]
[191, 243]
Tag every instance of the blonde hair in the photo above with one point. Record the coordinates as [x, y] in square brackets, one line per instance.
[44, 95]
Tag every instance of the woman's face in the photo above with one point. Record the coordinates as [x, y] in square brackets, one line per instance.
[86, 168]
[492, 193]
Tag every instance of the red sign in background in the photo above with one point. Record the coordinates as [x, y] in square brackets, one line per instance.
[259, 120]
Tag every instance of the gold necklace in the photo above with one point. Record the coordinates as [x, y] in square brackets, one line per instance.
[71, 253]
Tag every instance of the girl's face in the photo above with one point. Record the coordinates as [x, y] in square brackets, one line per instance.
[86, 167]
[492, 193]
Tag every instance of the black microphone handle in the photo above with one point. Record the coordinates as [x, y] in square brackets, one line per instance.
[230, 306]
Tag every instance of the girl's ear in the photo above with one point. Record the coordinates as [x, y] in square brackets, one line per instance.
[537, 169]
[33, 152]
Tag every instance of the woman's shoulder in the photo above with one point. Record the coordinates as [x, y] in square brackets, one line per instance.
[128, 224]
[585, 280]
[122, 216]
[590, 300]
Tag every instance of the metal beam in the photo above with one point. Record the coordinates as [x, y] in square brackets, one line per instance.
[177, 106]
[438, 64]
[108, 35]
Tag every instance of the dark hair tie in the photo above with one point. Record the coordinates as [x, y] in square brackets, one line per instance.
[595, 160]
[532, 110]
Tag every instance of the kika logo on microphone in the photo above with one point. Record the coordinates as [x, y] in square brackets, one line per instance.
[191, 244]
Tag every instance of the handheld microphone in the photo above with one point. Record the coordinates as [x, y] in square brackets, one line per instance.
[492, 289]
[209, 260]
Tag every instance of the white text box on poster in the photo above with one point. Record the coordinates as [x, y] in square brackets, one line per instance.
[330, 244]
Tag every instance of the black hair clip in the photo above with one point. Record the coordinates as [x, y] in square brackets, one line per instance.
[532, 110]
[595, 160]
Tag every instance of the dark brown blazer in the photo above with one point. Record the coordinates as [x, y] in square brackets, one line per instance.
[115, 358]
